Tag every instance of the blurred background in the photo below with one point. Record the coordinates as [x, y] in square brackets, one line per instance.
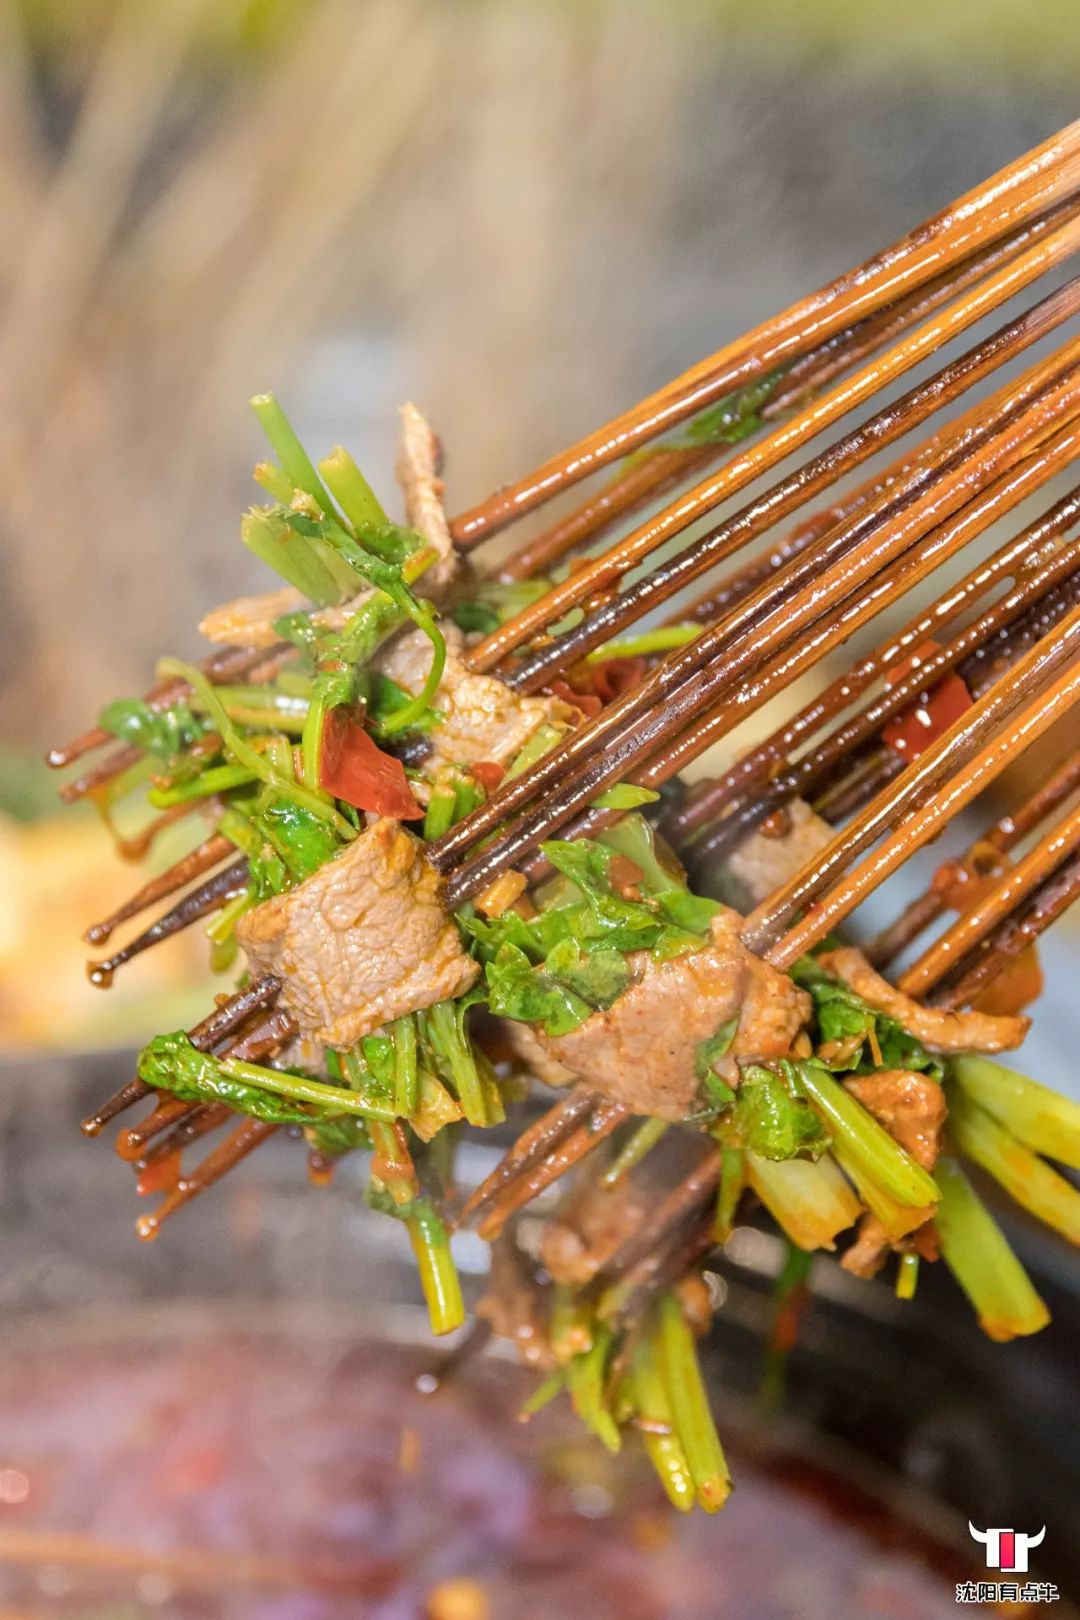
[523, 214]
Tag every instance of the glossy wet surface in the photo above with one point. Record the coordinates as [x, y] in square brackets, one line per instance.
[271, 1475]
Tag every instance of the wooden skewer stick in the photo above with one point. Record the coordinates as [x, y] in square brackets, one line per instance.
[247, 1136]
[1014, 936]
[605, 1118]
[214, 1028]
[753, 460]
[207, 855]
[1008, 831]
[221, 667]
[759, 765]
[210, 896]
[664, 468]
[535, 1143]
[802, 777]
[659, 688]
[1016, 194]
[1011, 889]
[935, 787]
[654, 712]
[256, 1043]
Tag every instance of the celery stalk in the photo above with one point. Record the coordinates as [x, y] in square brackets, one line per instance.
[1015, 1167]
[975, 1250]
[1042, 1119]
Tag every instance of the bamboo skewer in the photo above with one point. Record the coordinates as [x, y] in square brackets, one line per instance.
[206, 855]
[1011, 889]
[662, 705]
[802, 777]
[677, 666]
[1010, 830]
[664, 467]
[759, 765]
[929, 791]
[1016, 194]
[234, 1011]
[209, 896]
[1014, 936]
[757, 458]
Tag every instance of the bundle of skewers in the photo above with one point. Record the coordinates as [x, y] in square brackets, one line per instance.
[440, 830]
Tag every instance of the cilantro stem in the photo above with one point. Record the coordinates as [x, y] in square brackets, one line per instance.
[334, 1099]
[812, 1202]
[585, 1381]
[543, 738]
[977, 1253]
[218, 779]
[662, 1445]
[907, 1276]
[868, 1143]
[633, 1150]
[435, 1265]
[1024, 1176]
[662, 639]
[445, 1025]
[318, 803]
[406, 1067]
[732, 1182]
[689, 1404]
[542, 1396]
[295, 461]
[1043, 1119]
[439, 816]
[350, 488]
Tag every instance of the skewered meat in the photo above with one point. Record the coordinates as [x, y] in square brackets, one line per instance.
[912, 1109]
[482, 719]
[248, 621]
[417, 467]
[937, 1029]
[362, 941]
[642, 1050]
[766, 860]
[910, 1106]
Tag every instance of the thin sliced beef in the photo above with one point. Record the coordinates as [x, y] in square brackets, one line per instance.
[363, 941]
[641, 1051]
[910, 1106]
[482, 719]
[768, 859]
[417, 467]
[248, 621]
[938, 1030]
[912, 1109]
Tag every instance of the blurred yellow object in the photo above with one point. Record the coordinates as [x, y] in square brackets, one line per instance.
[54, 876]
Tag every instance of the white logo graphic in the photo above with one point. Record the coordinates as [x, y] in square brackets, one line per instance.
[1007, 1550]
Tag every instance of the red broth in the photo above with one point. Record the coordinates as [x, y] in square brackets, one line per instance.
[271, 1477]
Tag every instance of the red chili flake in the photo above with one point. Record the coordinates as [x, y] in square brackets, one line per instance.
[614, 676]
[488, 773]
[933, 711]
[352, 768]
[588, 702]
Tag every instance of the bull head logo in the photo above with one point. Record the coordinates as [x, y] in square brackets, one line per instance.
[1007, 1550]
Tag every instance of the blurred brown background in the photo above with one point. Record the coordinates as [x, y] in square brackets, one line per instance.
[521, 213]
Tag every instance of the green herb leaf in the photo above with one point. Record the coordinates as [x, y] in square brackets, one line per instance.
[768, 1120]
